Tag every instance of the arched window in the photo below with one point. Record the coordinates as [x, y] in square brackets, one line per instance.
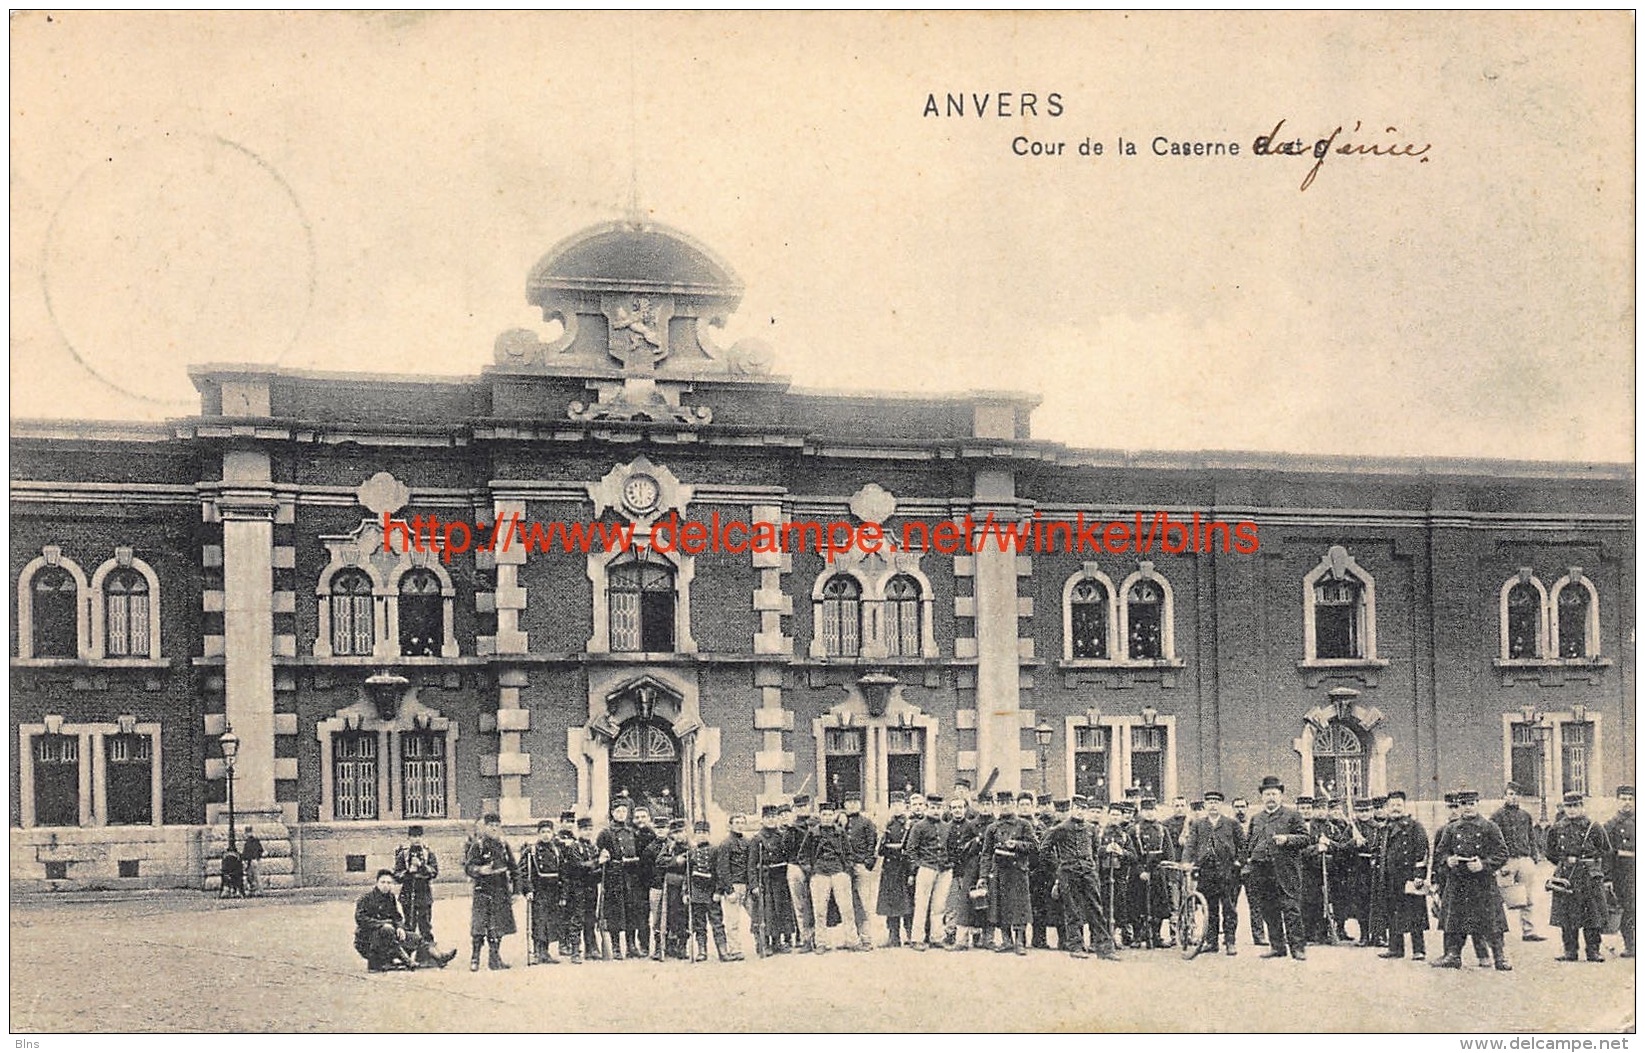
[1525, 610]
[352, 629]
[1339, 761]
[1088, 619]
[902, 617]
[421, 607]
[1145, 620]
[641, 596]
[842, 616]
[56, 613]
[126, 615]
[1573, 621]
[1336, 618]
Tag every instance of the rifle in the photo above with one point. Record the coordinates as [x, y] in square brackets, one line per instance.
[757, 894]
[659, 938]
[1325, 893]
[989, 784]
[691, 908]
[602, 937]
[528, 864]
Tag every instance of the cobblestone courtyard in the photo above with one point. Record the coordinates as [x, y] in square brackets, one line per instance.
[190, 962]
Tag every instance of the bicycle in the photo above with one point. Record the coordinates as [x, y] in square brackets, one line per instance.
[1192, 911]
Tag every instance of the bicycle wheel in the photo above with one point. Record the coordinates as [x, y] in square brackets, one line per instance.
[1191, 925]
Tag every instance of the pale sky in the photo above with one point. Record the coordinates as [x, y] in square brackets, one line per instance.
[368, 191]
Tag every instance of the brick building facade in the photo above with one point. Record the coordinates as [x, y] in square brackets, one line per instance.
[1405, 624]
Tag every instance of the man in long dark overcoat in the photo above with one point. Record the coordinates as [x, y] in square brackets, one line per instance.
[1470, 851]
[1008, 851]
[489, 863]
[1404, 859]
[1580, 850]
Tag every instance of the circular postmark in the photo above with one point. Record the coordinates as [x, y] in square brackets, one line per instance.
[175, 249]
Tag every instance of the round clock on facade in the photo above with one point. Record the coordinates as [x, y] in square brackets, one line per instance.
[641, 493]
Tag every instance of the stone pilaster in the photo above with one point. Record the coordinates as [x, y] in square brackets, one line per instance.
[512, 762]
[998, 713]
[246, 506]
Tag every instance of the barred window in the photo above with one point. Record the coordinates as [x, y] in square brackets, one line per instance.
[1091, 763]
[352, 629]
[1148, 759]
[422, 622]
[1145, 618]
[1524, 622]
[1573, 621]
[905, 759]
[354, 774]
[56, 609]
[1337, 619]
[424, 777]
[842, 616]
[1576, 746]
[1088, 619]
[641, 597]
[126, 615]
[902, 617]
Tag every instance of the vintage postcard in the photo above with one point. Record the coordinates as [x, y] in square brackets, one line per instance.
[659, 522]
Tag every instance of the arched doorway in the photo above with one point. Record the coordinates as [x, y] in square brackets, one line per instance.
[1339, 761]
[645, 764]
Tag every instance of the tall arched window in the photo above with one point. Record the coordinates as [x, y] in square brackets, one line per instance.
[1336, 618]
[1524, 621]
[1145, 620]
[56, 613]
[126, 614]
[352, 630]
[421, 606]
[1088, 619]
[642, 606]
[902, 617]
[1573, 621]
[842, 616]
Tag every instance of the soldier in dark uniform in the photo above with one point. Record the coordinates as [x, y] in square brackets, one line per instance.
[381, 937]
[1150, 896]
[1008, 850]
[1216, 845]
[895, 903]
[864, 839]
[646, 841]
[624, 898]
[1278, 835]
[1580, 850]
[1404, 859]
[777, 909]
[569, 924]
[1469, 852]
[1356, 884]
[927, 850]
[965, 829]
[1621, 832]
[1071, 847]
[1330, 844]
[415, 868]
[1379, 886]
[1177, 825]
[489, 863]
[1340, 868]
[706, 895]
[541, 881]
[799, 879]
[584, 896]
[670, 858]
[737, 870]
[1043, 875]
[1313, 884]
[1116, 859]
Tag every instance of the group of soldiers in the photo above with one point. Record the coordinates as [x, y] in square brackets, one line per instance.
[1005, 871]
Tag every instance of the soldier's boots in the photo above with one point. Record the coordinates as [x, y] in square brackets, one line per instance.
[495, 960]
[1499, 951]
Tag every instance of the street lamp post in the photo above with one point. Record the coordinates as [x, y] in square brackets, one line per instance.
[1042, 738]
[231, 747]
[1537, 721]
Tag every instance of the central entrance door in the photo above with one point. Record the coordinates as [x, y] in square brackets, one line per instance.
[645, 764]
